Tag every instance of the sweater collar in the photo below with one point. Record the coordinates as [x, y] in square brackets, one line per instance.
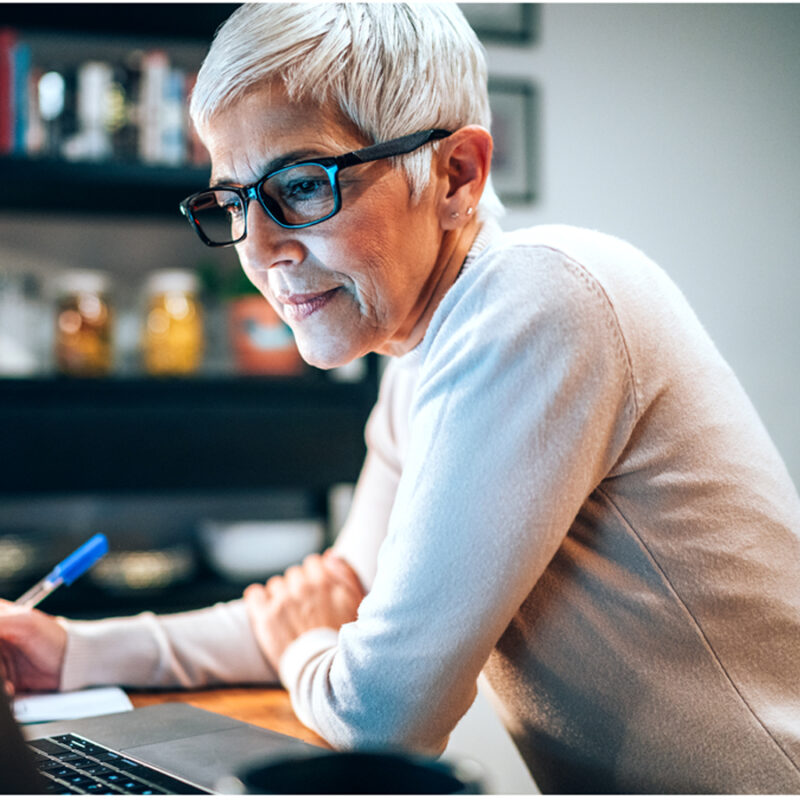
[487, 233]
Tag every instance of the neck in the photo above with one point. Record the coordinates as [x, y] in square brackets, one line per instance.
[455, 248]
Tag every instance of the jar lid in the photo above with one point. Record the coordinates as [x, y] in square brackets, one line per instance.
[83, 281]
[171, 280]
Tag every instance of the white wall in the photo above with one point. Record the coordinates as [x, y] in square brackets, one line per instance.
[676, 127]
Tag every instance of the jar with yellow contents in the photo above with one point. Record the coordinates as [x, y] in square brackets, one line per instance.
[172, 337]
[84, 323]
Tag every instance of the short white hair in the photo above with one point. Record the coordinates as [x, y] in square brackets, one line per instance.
[391, 68]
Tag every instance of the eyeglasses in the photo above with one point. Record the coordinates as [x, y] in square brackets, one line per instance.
[296, 196]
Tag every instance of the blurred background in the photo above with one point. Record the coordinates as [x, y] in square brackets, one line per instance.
[146, 392]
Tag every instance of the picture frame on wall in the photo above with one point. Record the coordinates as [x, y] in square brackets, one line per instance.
[506, 23]
[516, 139]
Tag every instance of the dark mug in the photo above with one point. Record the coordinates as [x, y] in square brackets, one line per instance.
[356, 772]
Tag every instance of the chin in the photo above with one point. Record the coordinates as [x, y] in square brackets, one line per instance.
[326, 356]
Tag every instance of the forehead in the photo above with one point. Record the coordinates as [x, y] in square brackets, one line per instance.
[253, 134]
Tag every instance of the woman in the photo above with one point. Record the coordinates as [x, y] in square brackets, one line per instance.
[565, 489]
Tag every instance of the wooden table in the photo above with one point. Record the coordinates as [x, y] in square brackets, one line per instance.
[265, 707]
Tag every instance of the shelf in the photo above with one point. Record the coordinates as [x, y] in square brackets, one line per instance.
[149, 20]
[97, 187]
[52, 185]
[132, 434]
[108, 187]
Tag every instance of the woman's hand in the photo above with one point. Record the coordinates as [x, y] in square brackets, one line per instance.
[32, 647]
[322, 592]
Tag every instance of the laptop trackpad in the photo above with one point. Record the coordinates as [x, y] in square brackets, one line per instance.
[206, 757]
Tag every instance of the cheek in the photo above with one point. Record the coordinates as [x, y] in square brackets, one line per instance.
[379, 280]
[244, 262]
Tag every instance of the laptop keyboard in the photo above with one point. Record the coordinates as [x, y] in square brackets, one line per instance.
[71, 764]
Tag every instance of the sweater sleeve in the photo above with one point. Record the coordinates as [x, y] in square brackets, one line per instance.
[524, 403]
[207, 647]
[363, 533]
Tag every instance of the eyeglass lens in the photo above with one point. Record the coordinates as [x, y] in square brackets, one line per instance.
[219, 214]
[294, 196]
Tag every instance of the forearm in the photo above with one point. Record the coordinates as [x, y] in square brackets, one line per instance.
[417, 718]
[207, 647]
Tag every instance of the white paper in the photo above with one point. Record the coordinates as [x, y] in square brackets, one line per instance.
[70, 705]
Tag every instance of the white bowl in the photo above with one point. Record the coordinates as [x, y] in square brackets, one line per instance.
[252, 550]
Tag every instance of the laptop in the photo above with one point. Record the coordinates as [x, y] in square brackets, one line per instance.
[171, 748]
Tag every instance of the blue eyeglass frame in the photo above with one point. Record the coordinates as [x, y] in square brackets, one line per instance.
[331, 165]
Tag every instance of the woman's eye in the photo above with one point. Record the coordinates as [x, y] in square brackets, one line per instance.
[300, 190]
[234, 210]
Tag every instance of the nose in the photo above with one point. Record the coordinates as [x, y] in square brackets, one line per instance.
[267, 244]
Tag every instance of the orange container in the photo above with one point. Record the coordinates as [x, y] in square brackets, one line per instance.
[261, 341]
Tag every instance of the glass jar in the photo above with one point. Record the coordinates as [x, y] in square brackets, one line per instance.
[172, 338]
[84, 319]
[20, 328]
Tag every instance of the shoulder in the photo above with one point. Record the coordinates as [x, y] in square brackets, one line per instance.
[526, 306]
[539, 278]
[557, 254]
[531, 309]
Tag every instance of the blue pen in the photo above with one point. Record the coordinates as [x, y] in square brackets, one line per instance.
[67, 571]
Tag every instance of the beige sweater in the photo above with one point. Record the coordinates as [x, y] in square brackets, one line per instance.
[567, 488]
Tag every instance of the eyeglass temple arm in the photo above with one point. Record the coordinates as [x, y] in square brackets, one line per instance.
[394, 147]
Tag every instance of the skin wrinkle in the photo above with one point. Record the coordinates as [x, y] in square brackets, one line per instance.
[389, 257]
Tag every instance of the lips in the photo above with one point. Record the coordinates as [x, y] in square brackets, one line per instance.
[301, 306]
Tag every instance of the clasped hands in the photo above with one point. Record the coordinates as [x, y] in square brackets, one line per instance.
[322, 592]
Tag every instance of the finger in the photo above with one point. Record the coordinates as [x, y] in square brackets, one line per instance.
[294, 570]
[275, 586]
[255, 602]
[338, 567]
[8, 688]
[314, 569]
[6, 669]
[11, 614]
[314, 556]
[335, 576]
[331, 558]
[255, 595]
[297, 584]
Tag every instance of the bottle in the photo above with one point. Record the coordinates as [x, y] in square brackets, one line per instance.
[84, 319]
[173, 340]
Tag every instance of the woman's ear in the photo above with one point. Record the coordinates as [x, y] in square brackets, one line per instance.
[463, 162]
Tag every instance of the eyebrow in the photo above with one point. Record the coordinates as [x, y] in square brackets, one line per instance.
[276, 163]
